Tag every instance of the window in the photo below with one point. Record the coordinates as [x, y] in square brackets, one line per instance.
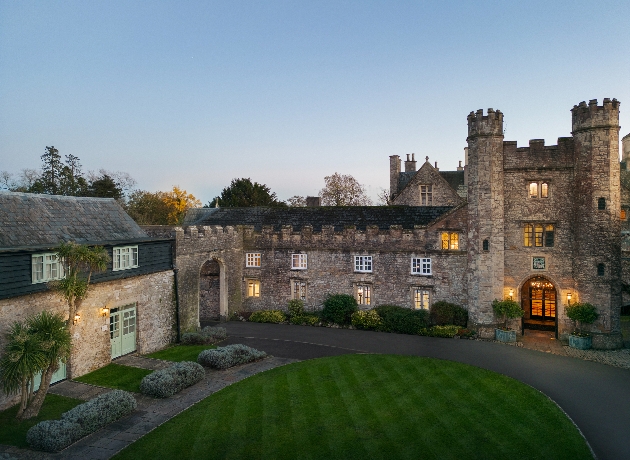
[538, 235]
[601, 204]
[426, 195]
[253, 288]
[601, 269]
[623, 214]
[538, 190]
[364, 296]
[450, 240]
[420, 299]
[363, 264]
[299, 261]
[420, 266]
[46, 267]
[298, 289]
[125, 257]
[486, 245]
[252, 259]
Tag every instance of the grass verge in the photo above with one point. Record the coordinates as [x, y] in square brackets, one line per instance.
[180, 353]
[369, 406]
[116, 376]
[13, 432]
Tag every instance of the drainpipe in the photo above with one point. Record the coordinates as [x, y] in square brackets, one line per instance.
[175, 270]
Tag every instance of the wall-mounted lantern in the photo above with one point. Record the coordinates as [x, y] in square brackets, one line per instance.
[569, 298]
[77, 317]
[511, 295]
[104, 312]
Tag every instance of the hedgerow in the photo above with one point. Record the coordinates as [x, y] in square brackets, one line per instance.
[402, 320]
[166, 382]
[228, 356]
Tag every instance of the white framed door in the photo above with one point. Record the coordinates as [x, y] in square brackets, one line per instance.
[122, 330]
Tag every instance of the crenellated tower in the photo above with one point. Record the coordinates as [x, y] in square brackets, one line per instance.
[597, 205]
[485, 215]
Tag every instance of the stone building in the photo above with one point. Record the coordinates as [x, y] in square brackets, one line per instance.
[538, 224]
[130, 306]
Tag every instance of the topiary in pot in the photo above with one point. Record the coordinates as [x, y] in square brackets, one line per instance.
[580, 314]
[338, 309]
[506, 309]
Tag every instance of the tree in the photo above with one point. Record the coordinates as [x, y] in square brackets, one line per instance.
[105, 187]
[296, 201]
[71, 182]
[343, 190]
[245, 193]
[52, 171]
[147, 208]
[179, 201]
[79, 261]
[384, 198]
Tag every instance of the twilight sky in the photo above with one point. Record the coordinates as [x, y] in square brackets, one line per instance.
[286, 92]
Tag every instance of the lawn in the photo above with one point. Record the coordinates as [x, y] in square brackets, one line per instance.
[13, 432]
[369, 406]
[180, 352]
[116, 376]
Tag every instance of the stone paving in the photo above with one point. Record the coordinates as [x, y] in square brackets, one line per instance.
[149, 414]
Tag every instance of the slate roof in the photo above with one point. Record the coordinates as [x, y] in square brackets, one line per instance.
[33, 220]
[454, 178]
[338, 216]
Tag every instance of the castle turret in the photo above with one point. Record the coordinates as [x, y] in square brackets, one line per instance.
[485, 216]
[625, 149]
[596, 224]
[394, 173]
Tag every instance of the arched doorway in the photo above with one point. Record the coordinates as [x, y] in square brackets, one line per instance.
[210, 290]
[539, 300]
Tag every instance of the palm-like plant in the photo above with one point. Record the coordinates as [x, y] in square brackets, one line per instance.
[22, 359]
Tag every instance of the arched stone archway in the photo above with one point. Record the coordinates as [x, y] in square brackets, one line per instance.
[212, 291]
[539, 300]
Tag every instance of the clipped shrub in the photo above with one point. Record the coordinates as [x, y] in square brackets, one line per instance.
[402, 320]
[581, 313]
[507, 309]
[167, 382]
[305, 319]
[228, 356]
[214, 333]
[338, 309]
[192, 338]
[80, 421]
[296, 307]
[268, 316]
[443, 313]
[447, 331]
[367, 319]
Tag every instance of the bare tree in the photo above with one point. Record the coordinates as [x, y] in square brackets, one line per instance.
[343, 190]
[384, 198]
[297, 201]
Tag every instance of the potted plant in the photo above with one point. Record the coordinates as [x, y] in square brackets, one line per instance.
[580, 314]
[506, 309]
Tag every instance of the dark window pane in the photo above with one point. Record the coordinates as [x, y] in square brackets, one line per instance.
[601, 203]
[600, 269]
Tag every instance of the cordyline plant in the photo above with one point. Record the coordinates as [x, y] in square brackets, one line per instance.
[36, 346]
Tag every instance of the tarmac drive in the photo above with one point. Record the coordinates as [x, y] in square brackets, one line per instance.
[596, 396]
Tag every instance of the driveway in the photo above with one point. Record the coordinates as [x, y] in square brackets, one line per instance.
[594, 395]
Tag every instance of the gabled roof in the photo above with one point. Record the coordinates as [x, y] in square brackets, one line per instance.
[338, 216]
[33, 220]
[454, 178]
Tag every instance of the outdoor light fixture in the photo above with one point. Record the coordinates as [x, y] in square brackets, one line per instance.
[511, 294]
[569, 297]
[77, 317]
[104, 311]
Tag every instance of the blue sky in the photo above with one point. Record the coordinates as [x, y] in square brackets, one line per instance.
[287, 92]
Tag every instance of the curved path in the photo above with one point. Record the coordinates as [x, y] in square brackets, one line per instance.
[596, 396]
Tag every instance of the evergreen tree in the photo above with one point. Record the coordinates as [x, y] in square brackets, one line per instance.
[245, 193]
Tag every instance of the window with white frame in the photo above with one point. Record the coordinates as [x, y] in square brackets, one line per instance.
[299, 261]
[298, 289]
[253, 288]
[420, 266]
[363, 264]
[364, 294]
[125, 257]
[252, 259]
[420, 299]
[46, 267]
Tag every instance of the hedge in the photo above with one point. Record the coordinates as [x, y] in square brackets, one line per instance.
[402, 320]
[228, 356]
[208, 335]
[338, 309]
[444, 313]
[166, 382]
[367, 319]
[268, 316]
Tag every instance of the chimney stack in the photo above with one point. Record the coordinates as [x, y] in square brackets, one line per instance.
[410, 165]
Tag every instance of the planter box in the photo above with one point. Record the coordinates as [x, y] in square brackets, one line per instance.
[504, 336]
[581, 343]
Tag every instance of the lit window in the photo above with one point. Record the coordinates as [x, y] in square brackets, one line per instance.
[253, 288]
[298, 289]
[299, 261]
[450, 240]
[544, 190]
[533, 190]
[46, 267]
[420, 266]
[420, 299]
[252, 259]
[364, 296]
[601, 204]
[363, 264]
[623, 214]
[538, 235]
[125, 257]
[426, 195]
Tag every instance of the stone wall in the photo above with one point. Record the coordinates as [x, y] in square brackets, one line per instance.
[152, 294]
[442, 193]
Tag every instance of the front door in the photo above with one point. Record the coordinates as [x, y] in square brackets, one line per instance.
[122, 330]
[542, 300]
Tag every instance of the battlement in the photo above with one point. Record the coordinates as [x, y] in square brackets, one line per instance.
[485, 125]
[538, 155]
[593, 116]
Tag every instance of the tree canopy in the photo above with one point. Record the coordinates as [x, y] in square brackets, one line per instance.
[245, 193]
[160, 208]
[343, 190]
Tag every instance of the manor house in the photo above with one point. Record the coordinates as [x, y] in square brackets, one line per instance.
[540, 224]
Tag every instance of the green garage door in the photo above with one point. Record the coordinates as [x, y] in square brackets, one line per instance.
[122, 330]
